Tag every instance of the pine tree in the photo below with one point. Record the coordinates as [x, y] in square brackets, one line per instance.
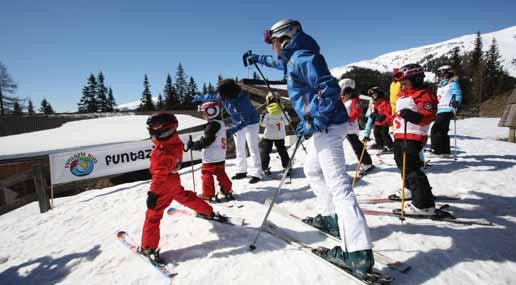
[477, 68]
[46, 108]
[101, 95]
[493, 70]
[181, 86]
[211, 89]
[255, 76]
[170, 94]
[192, 91]
[7, 86]
[111, 101]
[88, 102]
[160, 105]
[204, 89]
[17, 109]
[146, 101]
[30, 108]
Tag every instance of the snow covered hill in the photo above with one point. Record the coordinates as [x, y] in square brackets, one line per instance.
[75, 242]
[134, 105]
[506, 39]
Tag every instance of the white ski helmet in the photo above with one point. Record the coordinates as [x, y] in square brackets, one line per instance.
[284, 28]
[445, 70]
[347, 83]
[212, 109]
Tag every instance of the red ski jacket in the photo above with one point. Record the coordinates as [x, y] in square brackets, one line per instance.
[352, 107]
[166, 157]
[383, 107]
[418, 100]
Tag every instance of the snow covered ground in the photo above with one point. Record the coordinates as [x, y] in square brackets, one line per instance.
[75, 242]
[83, 133]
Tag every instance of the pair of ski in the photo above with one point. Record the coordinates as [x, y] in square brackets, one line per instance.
[383, 259]
[167, 269]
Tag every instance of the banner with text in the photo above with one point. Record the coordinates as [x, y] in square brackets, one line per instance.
[105, 160]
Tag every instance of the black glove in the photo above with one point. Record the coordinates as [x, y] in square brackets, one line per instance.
[152, 198]
[411, 116]
[366, 139]
[454, 104]
[373, 116]
[249, 58]
[189, 145]
[380, 117]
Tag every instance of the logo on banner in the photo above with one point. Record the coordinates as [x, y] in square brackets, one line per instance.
[81, 164]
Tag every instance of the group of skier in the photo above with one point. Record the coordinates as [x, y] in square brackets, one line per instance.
[328, 111]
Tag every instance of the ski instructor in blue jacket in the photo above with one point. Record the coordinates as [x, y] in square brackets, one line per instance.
[314, 94]
[244, 125]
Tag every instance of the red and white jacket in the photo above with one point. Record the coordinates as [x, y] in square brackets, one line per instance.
[417, 100]
[354, 113]
[383, 107]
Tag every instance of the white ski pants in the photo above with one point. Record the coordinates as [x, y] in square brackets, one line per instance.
[325, 169]
[248, 134]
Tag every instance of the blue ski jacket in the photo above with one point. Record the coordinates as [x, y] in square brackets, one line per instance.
[240, 110]
[448, 91]
[313, 91]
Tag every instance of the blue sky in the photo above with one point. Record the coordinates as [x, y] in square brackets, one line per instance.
[50, 47]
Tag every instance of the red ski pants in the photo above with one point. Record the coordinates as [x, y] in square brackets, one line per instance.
[208, 170]
[171, 190]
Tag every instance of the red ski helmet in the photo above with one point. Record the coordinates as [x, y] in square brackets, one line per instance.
[162, 125]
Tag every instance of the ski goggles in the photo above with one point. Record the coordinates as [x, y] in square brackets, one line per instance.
[267, 37]
[404, 73]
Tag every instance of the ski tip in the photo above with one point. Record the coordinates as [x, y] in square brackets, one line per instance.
[121, 234]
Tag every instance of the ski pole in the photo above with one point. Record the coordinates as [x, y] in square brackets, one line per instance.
[191, 161]
[277, 98]
[275, 195]
[455, 136]
[403, 173]
[364, 144]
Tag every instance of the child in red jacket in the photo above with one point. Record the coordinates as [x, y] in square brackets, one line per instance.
[382, 118]
[166, 157]
[417, 108]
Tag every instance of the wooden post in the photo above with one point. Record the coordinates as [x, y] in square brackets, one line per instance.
[512, 135]
[41, 188]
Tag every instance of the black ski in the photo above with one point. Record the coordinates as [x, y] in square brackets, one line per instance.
[236, 221]
[442, 216]
[373, 278]
[383, 259]
[391, 199]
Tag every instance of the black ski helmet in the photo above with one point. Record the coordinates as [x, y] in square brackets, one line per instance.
[412, 72]
[376, 93]
[228, 89]
[162, 125]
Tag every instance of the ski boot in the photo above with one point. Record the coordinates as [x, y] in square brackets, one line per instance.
[254, 180]
[267, 171]
[151, 254]
[228, 196]
[397, 196]
[328, 224]
[239, 176]
[359, 262]
[210, 199]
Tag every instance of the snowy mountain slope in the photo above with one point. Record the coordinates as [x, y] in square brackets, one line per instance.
[75, 243]
[134, 105]
[506, 39]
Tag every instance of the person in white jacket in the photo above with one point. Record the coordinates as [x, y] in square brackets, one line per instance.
[274, 121]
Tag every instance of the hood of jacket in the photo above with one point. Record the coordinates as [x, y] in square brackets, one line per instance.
[301, 41]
